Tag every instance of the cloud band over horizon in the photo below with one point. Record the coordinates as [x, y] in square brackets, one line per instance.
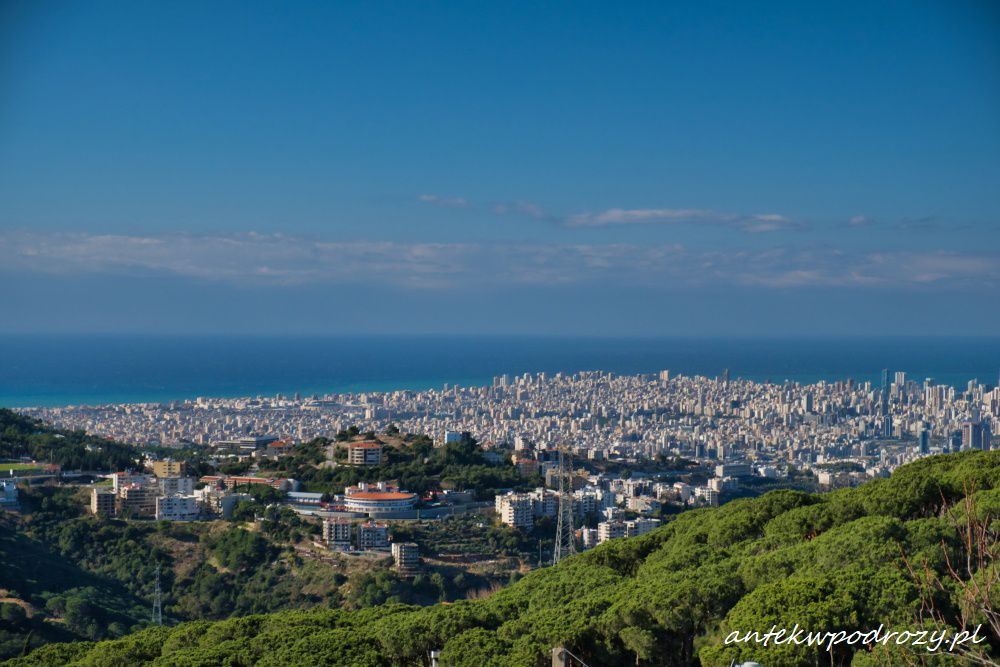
[277, 259]
[751, 223]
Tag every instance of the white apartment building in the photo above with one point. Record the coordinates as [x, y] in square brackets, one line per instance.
[709, 495]
[643, 504]
[406, 556]
[364, 454]
[586, 501]
[683, 490]
[544, 502]
[733, 470]
[373, 535]
[609, 530]
[102, 501]
[337, 532]
[177, 508]
[516, 510]
[176, 486]
[218, 502]
[642, 526]
[120, 480]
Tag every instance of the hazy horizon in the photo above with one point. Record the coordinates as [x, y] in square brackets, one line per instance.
[99, 369]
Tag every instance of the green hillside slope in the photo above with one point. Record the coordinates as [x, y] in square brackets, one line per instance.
[828, 562]
[22, 436]
[61, 601]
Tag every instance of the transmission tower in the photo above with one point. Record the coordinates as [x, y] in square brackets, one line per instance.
[565, 544]
[157, 600]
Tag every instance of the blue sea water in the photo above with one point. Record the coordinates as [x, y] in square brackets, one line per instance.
[74, 370]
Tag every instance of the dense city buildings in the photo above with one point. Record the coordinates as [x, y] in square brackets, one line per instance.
[735, 433]
[230, 482]
[976, 434]
[726, 421]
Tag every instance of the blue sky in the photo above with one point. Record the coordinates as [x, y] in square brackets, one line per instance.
[599, 168]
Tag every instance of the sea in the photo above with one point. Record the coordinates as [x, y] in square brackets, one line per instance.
[60, 370]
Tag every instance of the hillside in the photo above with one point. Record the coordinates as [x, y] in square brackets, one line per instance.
[829, 562]
[22, 436]
[80, 577]
[90, 578]
[59, 600]
[411, 459]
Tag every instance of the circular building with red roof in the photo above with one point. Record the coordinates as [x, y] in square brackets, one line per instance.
[378, 499]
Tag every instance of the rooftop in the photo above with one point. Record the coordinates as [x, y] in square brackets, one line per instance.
[381, 495]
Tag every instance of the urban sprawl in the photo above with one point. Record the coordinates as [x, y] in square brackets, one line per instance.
[733, 430]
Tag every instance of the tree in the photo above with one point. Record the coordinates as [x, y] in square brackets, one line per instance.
[12, 614]
[639, 641]
[967, 593]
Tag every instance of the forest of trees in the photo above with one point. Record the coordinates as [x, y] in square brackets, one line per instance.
[87, 578]
[21, 436]
[90, 578]
[851, 559]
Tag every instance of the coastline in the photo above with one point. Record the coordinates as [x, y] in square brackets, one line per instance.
[53, 371]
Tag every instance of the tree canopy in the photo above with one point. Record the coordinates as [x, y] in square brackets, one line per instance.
[830, 562]
[22, 436]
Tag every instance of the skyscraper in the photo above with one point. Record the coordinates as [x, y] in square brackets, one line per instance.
[976, 434]
[884, 394]
[885, 423]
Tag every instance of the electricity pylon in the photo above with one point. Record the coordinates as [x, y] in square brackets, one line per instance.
[157, 600]
[565, 544]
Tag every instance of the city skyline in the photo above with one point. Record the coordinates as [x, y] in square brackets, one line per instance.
[670, 170]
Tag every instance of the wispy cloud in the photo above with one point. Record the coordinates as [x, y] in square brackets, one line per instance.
[753, 224]
[640, 216]
[766, 222]
[275, 259]
[750, 223]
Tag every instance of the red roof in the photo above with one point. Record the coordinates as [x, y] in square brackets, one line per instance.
[381, 495]
[242, 480]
